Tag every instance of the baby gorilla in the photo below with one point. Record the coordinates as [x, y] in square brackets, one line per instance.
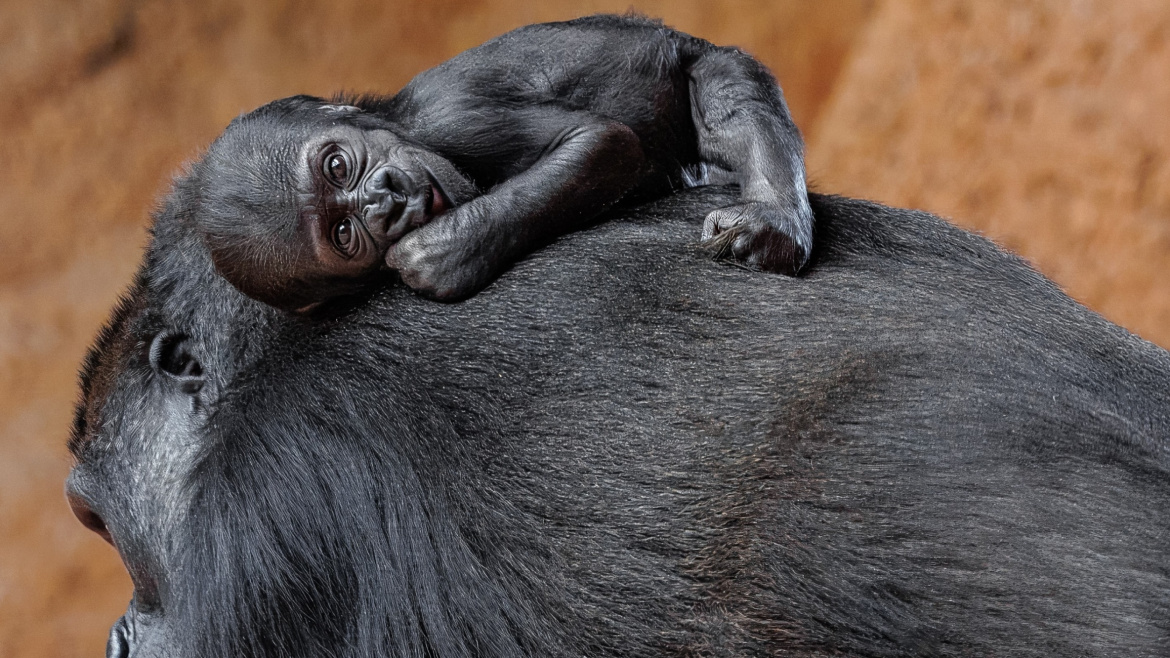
[302, 200]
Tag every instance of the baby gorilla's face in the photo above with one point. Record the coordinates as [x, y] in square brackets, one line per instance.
[363, 189]
[302, 199]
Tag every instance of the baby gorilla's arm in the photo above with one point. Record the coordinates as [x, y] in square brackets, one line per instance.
[743, 126]
[613, 104]
[587, 167]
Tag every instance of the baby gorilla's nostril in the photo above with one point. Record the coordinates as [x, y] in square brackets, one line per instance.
[381, 182]
[390, 181]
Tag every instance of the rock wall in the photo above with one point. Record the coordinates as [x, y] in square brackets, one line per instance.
[1041, 124]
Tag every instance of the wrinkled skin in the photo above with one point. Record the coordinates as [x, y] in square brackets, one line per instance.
[922, 448]
[554, 123]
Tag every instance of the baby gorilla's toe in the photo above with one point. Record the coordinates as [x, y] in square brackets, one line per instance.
[761, 236]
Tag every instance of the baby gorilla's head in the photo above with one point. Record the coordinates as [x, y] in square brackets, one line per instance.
[301, 199]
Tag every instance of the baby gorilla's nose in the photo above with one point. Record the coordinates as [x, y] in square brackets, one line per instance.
[395, 203]
[389, 181]
[385, 193]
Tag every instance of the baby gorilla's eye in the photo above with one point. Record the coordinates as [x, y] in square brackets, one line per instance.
[344, 238]
[337, 168]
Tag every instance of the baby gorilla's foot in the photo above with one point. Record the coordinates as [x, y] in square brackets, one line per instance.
[762, 236]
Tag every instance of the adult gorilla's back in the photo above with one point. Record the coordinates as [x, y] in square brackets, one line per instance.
[623, 448]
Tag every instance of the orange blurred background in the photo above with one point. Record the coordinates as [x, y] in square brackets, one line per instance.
[1042, 124]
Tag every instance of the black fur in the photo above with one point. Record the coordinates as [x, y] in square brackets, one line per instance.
[622, 448]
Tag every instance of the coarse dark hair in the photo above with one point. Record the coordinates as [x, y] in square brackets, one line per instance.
[622, 448]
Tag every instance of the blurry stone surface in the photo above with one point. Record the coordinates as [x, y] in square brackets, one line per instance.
[1042, 124]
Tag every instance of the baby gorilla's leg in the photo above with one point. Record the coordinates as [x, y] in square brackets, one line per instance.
[743, 125]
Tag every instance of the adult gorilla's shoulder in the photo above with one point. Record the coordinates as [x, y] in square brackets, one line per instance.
[622, 447]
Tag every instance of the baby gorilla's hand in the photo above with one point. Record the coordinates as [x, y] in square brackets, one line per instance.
[760, 235]
[446, 259]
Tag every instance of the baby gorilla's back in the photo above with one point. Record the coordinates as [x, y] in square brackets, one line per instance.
[626, 69]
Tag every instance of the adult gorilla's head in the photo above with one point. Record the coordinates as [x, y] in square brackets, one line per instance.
[622, 448]
[301, 199]
[255, 520]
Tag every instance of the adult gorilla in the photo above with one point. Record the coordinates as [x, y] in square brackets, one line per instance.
[622, 448]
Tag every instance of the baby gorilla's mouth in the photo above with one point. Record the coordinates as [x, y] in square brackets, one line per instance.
[427, 202]
[437, 202]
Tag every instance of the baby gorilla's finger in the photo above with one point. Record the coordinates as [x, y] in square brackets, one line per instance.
[761, 236]
[722, 220]
[722, 244]
[770, 251]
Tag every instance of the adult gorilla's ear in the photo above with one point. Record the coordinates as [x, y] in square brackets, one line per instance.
[170, 356]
